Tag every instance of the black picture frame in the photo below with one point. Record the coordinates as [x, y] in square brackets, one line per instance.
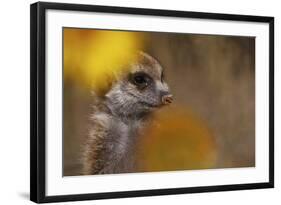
[38, 101]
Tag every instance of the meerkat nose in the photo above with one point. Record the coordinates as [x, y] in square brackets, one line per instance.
[167, 99]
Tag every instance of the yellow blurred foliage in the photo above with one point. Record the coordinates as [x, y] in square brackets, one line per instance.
[178, 140]
[94, 58]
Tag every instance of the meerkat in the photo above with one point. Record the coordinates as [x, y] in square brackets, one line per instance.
[120, 115]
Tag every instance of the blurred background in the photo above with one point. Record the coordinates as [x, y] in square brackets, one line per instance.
[210, 124]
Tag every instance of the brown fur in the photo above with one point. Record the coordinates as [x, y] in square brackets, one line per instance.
[119, 117]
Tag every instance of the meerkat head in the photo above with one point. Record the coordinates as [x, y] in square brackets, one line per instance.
[140, 90]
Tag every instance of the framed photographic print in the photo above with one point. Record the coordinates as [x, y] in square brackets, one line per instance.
[129, 102]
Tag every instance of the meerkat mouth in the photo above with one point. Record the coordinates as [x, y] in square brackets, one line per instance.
[146, 103]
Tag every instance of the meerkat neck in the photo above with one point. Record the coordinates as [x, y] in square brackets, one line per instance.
[124, 112]
[117, 137]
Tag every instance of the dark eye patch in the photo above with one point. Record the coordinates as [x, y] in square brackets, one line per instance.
[140, 79]
[162, 77]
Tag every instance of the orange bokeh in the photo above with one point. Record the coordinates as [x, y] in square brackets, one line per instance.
[177, 140]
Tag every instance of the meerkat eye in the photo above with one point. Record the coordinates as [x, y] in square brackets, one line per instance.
[141, 80]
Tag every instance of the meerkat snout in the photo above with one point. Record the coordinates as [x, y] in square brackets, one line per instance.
[167, 99]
